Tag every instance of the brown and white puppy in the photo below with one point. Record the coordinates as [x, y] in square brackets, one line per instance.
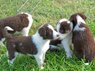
[83, 41]
[19, 23]
[64, 27]
[36, 45]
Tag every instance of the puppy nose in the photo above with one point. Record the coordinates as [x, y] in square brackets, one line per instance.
[57, 35]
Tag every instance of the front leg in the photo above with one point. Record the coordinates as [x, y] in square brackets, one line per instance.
[66, 46]
[40, 60]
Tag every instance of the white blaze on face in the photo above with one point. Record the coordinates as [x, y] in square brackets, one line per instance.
[62, 36]
[79, 21]
[62, 20]
[55, 34]
[59, 22]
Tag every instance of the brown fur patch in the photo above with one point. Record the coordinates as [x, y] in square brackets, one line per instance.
[55, 42]
[46, 32]
[17, 22]
[1, 34]
[21, 44]
[84, 45]
[64, 27]
[74, 20]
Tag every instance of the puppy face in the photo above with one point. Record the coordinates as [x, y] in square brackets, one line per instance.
[64, 26]
[48, 32]
[80, 24]
[77, 16]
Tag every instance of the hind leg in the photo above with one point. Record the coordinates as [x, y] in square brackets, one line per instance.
[12, 57]
[11, 52]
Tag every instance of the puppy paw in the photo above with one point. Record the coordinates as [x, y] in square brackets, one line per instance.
[86, 64]
[44, 64]
[41, 67]
[69, 55]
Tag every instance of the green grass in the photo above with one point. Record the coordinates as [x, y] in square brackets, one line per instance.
[44, 11]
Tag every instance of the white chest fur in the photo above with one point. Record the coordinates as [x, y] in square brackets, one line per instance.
[41, 44]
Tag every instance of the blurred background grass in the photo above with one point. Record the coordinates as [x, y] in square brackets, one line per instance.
[44, 11]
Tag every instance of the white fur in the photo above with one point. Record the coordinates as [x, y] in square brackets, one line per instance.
[54, 32]
[57, 27]
[63, 36]
[66, 38]
[66, 42]
[25, 31]
[79, 21]
[11, 61]
[64, 19]
[9, 28]
[42, 46]
[60, 21]
[55, 47]
[86, 64]
[2, 40]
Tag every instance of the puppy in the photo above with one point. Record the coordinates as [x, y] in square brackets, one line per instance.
[64, 27]
[19, 23]
[37, 45]
[83, 41]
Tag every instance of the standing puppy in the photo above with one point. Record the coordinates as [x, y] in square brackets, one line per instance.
[19, 23]
[83, 41]
[64, 27]
[37, 45]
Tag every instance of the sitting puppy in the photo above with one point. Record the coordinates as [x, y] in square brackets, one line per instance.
[64, 27]
[37, 45]
[83, 41]
[19, 23]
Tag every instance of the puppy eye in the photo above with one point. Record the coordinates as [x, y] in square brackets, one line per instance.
[81, 25]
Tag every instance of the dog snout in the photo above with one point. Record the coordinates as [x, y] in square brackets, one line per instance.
[58, 35]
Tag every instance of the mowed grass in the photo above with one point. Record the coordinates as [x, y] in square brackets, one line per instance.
[44, 11]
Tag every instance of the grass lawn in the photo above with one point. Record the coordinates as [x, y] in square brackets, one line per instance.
[44, 11]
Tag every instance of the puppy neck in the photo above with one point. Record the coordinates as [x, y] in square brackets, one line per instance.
[39, 41]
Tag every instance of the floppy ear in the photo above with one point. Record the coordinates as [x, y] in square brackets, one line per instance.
[72, 18]
[42, 32]
[83, 16]
[24, 20]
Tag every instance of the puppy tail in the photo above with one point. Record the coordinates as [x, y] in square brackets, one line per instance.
[6, 34]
